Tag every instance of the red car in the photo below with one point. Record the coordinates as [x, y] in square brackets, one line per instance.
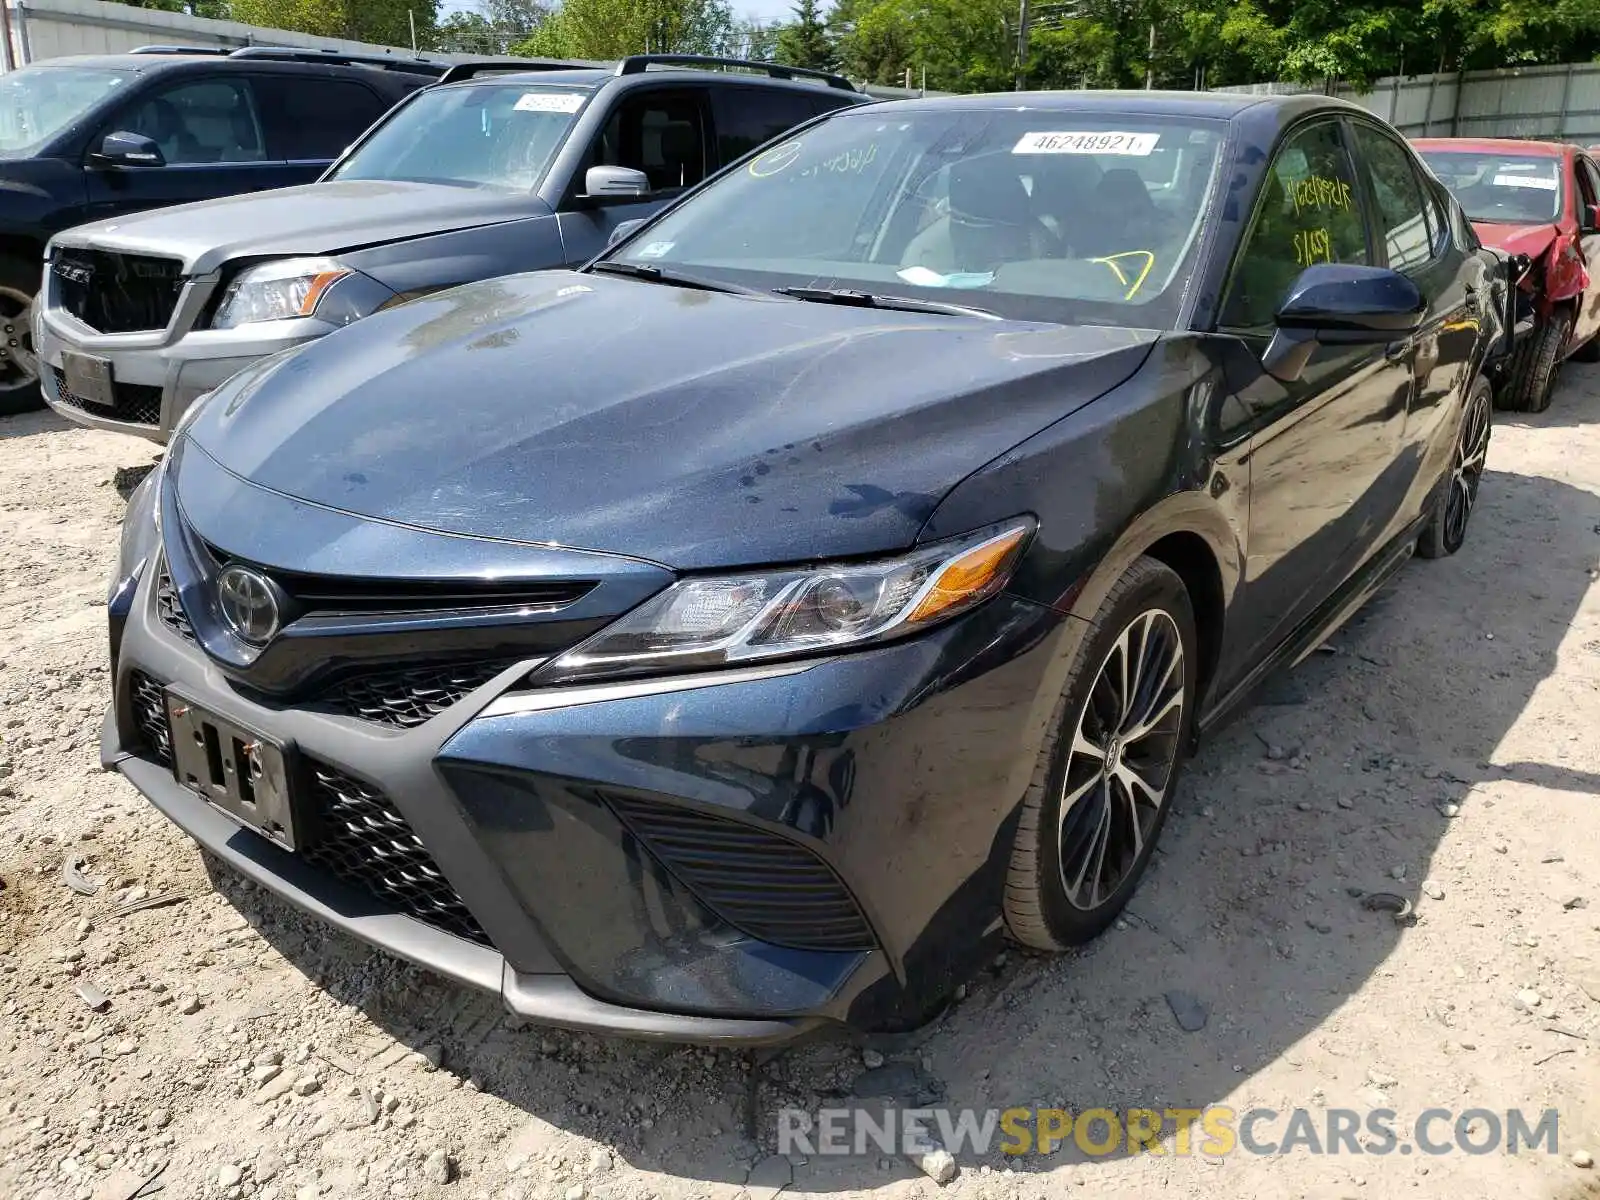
[1542, 200]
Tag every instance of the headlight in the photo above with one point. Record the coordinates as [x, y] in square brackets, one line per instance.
[277, 291]
[708, 622]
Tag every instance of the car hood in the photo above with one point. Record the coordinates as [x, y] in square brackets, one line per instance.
[687, 428]
[315, 218]
[1531, 240]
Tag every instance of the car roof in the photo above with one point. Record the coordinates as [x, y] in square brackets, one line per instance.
[1217, 105]
[1496, 146]
[150, 64]
[594, 77]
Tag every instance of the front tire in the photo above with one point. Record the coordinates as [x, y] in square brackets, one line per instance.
[1458, 494]
[19, 367]
[1537, 364]
[1107, 771]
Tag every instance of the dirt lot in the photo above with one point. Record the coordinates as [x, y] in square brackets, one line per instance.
[1445, 748]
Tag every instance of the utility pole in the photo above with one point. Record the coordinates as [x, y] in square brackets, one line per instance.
[1023, 17]
[1150, 61]
[411, 15]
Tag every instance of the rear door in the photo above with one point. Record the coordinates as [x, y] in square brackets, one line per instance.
[1321, 452]
[1413, 238]
[212, 135]
[664, 132]
[311, 118]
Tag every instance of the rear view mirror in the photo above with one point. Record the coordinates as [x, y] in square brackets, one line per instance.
[124, 149]
[623, 231]
[1333, 304]
[610, 183]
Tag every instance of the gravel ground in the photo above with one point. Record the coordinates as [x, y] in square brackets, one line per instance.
[1443, 748]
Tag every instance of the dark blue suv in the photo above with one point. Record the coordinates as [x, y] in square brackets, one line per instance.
[86, 138]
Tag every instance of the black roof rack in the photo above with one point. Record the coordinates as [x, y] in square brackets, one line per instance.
[494, 66]
[213, 50]
[636, 64]
[390, 62]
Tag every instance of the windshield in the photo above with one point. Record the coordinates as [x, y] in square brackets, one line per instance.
[499, 136]
[1506, 188]
[1069, 217]
[36, 103]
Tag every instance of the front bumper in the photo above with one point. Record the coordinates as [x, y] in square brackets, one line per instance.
[890, 775]
[155, 375]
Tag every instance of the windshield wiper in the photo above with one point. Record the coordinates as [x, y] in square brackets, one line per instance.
[855, 299]
[671, 278]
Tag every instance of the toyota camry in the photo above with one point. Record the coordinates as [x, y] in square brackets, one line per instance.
[741, 635]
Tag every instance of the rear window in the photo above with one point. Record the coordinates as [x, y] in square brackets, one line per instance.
[1509, 188]
[497, 136]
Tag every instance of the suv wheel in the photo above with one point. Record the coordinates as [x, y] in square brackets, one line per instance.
[1106, 773]
[1458, 491]
[19, 368]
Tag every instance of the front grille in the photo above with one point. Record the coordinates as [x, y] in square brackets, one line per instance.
[761, 883]
[135, 403]
[150, 716]
[170, 608]
[117, 293]
[363, 839]
[406, 697]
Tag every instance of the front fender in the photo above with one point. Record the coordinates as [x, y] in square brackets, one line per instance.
[1566, 275]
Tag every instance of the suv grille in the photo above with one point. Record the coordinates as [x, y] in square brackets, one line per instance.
[363, 839]
[135, 403]
[170, 609]
[411, 696]
[117, 293]
[761, 883]
[150, 715]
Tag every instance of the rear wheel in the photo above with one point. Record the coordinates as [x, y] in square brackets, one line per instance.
[1537, 364]
[1458, 492]
[19, 368]
[1107, 772]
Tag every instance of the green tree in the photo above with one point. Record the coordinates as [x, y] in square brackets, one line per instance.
[386, 22]
[804, 42]
[605, 29]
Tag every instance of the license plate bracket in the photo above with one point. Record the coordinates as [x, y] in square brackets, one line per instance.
[236, 769]
[89, 378]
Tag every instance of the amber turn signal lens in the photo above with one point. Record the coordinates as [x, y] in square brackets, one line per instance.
[319, 284]
[971, 578]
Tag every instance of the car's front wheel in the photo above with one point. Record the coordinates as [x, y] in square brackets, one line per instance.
[1107, 771]
[19, 368]
[1536, 365]
[1446, 531]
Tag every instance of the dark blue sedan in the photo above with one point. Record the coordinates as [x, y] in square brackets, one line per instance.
[744, 633]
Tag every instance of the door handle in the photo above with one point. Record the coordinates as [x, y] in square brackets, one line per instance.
[1397, 351]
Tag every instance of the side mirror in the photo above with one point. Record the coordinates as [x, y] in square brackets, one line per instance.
[611, 183]
[623, 231]
[1333, 304]
[125, 149]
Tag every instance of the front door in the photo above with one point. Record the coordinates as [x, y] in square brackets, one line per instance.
[1321, 451]
[1588, 197]
[212, 137]
[661, 132]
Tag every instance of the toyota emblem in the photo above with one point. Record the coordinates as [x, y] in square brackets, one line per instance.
[249, 604]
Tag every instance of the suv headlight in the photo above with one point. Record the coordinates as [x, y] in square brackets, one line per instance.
[277, 291]
[713, 621]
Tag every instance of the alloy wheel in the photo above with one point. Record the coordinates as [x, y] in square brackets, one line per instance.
[19, 368]
[1472, 452]
[1124, 752]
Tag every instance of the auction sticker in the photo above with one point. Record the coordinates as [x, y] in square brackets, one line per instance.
[1541, 182]
[1136, 145]
[779, 158]
[556, 102]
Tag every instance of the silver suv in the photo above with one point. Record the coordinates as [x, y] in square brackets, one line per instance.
[499, 168]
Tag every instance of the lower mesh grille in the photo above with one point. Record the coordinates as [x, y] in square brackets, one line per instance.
[410, 696]
[169, 608]
[150, 715]
[135, 403]
[765, 885]
[363, 839]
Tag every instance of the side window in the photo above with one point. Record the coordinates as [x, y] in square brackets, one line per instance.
[1308, 213]
[1588, 186]
[749, 117]
[206, 121]
[1397, 193]
[659, 133]
[312, 118]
